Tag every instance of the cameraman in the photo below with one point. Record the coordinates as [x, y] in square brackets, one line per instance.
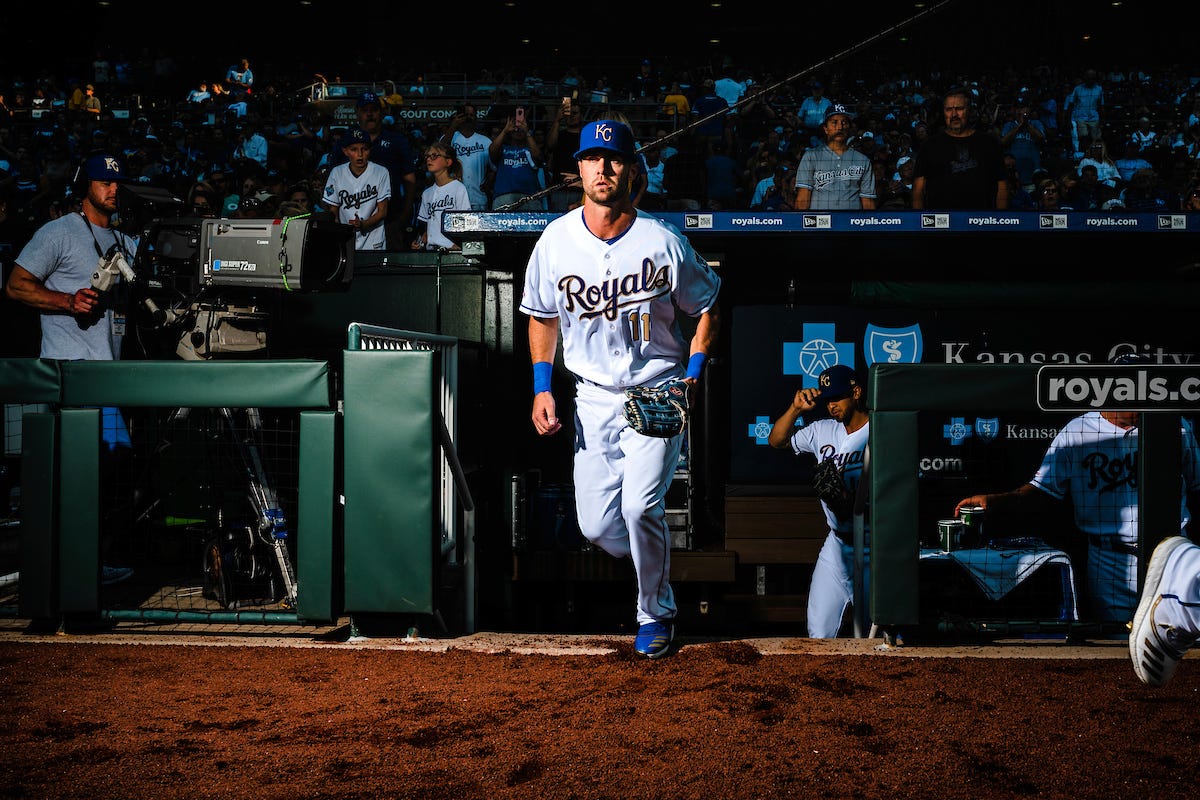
[53, 274]
[53, 271]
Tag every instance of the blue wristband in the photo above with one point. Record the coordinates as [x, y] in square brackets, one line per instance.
[542, 370]
[696, 365]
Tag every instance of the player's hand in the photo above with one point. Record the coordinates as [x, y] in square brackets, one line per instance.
[975, 500]
[545, 415]
[805, 399]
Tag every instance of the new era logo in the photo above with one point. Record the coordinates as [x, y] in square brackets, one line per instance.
[935, 220]
[1052, 221]
[818, 221]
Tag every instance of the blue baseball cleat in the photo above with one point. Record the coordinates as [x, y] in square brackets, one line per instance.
[654, 639]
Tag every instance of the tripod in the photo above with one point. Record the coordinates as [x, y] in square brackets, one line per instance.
[233, 555]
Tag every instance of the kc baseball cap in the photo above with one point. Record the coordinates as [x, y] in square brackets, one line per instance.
[836, 382]
[606, 134]
[105, 167]
[356, 136]
[838, 108]
[367, 99]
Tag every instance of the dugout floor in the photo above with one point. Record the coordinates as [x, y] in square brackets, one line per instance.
[14, 630]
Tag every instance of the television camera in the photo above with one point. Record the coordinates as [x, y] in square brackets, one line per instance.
[203, 276]
[197, 280]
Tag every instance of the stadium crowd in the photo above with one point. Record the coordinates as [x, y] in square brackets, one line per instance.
[243, 145]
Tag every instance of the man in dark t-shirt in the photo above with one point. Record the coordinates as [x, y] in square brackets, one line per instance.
[960, 167]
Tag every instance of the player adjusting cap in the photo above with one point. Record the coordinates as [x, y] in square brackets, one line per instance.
[105, 167]
[606, 134]
[836, 382]
[835, 109]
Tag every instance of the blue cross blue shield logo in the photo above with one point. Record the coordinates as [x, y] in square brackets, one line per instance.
[987, 429]
[892, 345]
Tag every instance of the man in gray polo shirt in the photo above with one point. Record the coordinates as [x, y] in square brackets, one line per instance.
[835, 176]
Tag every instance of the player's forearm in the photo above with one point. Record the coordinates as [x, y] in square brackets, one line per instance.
[543, 339]
[707, 330]
[783, 427]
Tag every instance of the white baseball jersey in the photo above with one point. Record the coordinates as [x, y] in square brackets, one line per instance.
[832, 587]
[1096, 463]
[616, 300]
[473, 155]
[435, 201]
[616, 303]
[355, 197]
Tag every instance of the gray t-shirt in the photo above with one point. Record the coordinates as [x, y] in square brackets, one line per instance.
[62, 254]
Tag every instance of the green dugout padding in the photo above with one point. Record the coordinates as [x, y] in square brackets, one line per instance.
[29, 380]
[213, 384]
[60, 526]
[316, 557]
[391, 545]
[898, 392]
[39, 549]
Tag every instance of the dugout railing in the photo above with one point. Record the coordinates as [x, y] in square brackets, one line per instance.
[359, 479]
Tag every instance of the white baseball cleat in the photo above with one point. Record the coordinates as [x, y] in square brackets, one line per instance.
[1157, 647]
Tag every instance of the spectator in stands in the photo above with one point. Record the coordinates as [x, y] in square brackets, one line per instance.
[833, 175]
[1191, 199]
[239, 80]
[1098, 157]
[1023, 136]
[562, 140]
[91, 104]
[252, 146]
[445, 193]
[655, 196]
[1049, 196]
[898, 195]
[472, 149]
[1131, 161]
[709, 104]
[1018, 198]
[516, 160]
[204, 200]
[646, 81]
[392, 151]
[723, 178]
[812, 115]
[1145, 194]
[684, 176]
[960, 167]
[392, 98]
[732, 89]
[1143, 135]
[1069, 192]
[200, 96]
[1083, 106]
[301, 196]
[676, 105]
[775, 193]
[358, 191]
[1092, 193]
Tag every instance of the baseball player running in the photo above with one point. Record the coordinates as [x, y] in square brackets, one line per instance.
[843, 439]
[1167, 622]
[359, 191]
[609, 278]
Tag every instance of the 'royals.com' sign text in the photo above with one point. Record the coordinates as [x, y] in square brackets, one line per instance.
[1134, 387]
